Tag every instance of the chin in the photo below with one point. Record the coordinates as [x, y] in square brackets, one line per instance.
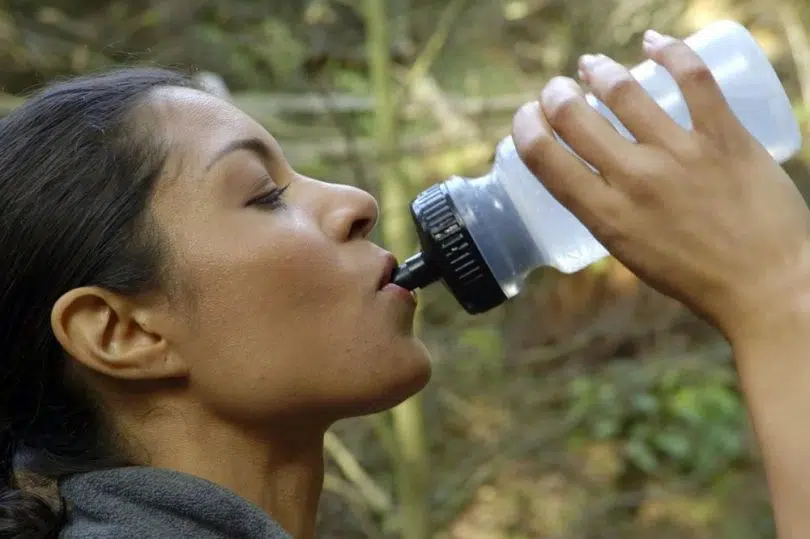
[412, 376]
[403, 391]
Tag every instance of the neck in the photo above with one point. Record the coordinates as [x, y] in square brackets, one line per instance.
[282, 474]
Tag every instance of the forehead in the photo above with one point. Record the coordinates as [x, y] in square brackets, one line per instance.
[197, 125]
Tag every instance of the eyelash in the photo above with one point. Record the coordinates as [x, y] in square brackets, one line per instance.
[271, 199]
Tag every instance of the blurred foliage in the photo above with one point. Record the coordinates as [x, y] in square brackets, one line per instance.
[691, 428]
[590, 406]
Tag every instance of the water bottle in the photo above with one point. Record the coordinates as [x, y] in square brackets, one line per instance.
[482, 237]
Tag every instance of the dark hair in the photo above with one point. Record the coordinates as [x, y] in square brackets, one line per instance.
[77, 169]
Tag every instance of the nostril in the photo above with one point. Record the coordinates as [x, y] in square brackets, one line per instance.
[361, 228]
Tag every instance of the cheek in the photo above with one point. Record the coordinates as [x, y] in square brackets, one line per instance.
[271, 317]
[257, 261]
[286, 282]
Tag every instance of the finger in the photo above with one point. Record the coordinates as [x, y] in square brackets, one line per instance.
[707, 106]
[614, 85]
[566, 177]
[586, 131]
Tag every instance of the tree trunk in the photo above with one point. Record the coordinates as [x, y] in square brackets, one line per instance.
[411, 457]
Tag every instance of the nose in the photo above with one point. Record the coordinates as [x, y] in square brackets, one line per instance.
[353, 213]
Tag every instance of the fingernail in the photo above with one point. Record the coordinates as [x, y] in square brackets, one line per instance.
[651, 37]
[528, 124]
[587, 63]
[559, 91]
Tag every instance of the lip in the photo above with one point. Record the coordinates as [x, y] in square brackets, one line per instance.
[400, 292]
[385, 285]
[388, 270]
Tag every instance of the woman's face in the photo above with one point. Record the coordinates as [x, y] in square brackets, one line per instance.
[278, 305]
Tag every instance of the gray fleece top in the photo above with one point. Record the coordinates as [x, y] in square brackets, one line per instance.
[151, 503]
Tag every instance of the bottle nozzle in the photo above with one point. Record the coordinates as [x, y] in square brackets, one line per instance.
[448, 252]
[415, 272]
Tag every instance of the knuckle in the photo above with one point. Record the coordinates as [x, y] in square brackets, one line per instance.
[608, 206]
[672, 50]
[593, 212]
[533, 150]
[729, 145]
[688, 150]
[684, 64]
[562, 113]
[607, 223]
[531, 135]
[639, 181]
[697, 74]
[610, 212]
[636, 185]
[692, 71]
[620, 90]
[564, 196]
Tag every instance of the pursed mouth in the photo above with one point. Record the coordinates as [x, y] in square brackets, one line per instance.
[390, 267]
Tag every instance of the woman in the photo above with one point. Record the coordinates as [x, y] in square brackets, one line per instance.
[184, 315]
[175, 296]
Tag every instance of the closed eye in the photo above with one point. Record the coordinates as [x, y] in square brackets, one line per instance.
[271, 199]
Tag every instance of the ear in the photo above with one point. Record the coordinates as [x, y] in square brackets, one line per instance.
[112, 335]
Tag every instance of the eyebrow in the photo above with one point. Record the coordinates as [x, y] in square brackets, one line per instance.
[254, 145]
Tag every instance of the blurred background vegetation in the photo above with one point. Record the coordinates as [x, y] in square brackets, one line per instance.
[589, 407]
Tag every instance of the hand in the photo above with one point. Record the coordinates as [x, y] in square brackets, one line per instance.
[705, 216]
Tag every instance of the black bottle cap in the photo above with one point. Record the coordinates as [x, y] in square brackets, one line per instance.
[416, 272]
[448, 253]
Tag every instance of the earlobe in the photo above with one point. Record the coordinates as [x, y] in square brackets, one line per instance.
[112, 335]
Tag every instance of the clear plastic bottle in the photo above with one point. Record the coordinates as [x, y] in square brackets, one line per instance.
[511, 224]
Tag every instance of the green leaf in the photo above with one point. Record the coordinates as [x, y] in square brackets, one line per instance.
[641, 455]
[606, 428]
[685, 405]
[645, 403]
[607, 393]
[674, 444]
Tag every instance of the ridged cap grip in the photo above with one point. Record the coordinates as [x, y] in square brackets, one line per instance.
[447, 244]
